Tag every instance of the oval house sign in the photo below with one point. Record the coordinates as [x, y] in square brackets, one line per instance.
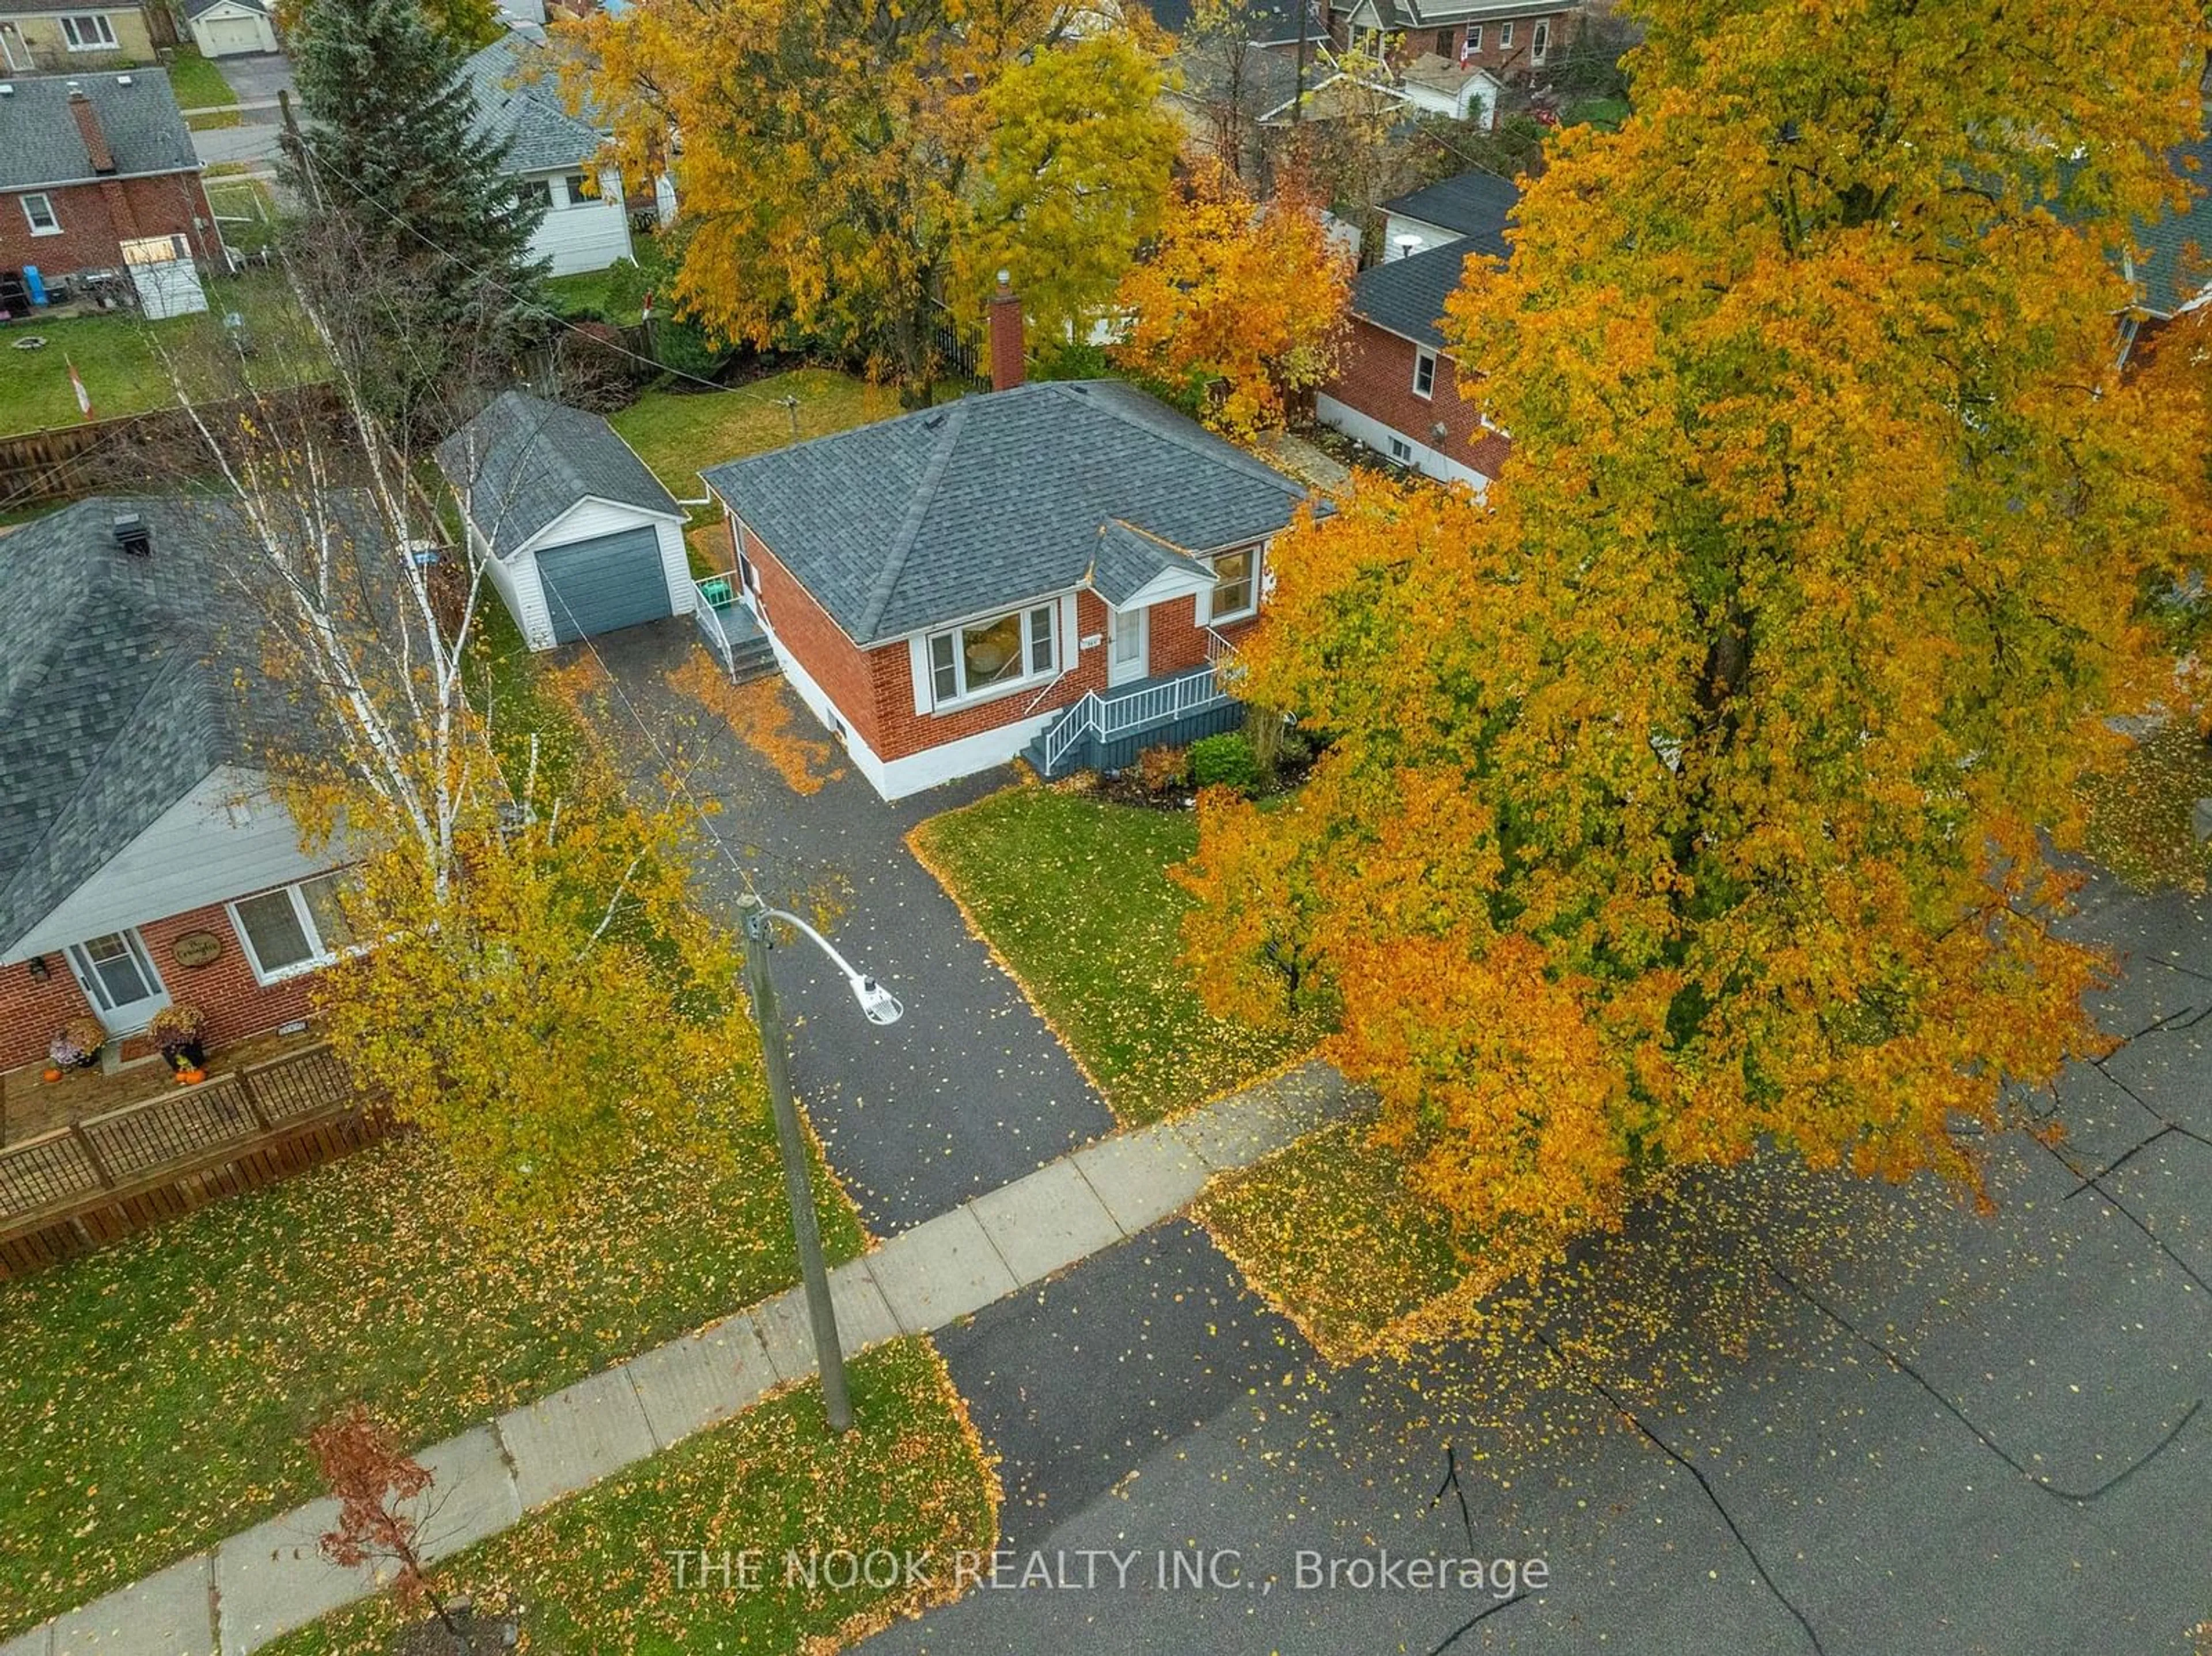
[197, 949]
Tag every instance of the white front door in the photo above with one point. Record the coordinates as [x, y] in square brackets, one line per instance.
[1127, 651]
[119, 978]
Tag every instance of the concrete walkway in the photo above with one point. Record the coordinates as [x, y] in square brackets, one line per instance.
[255, 1586]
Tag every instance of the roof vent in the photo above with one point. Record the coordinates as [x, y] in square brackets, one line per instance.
[933, 421]
[6, 90]
[122, 79]
[132, 536]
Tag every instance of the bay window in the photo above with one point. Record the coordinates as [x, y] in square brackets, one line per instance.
[981, 658]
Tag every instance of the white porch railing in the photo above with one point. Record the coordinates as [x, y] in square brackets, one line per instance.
[1107, 717]
[712, 594]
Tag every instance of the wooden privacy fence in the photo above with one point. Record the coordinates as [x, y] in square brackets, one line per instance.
[133, 450]
[80, 1186]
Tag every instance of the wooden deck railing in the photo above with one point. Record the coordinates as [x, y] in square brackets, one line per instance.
[81, 1185]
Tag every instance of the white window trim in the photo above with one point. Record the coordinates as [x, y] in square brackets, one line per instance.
[1423, 356]
[104, 27]
[1214, 618]
[1030, 676]
[53, 225]
[1540, 40]
[322, 957]
[1475, 37]
[1401, 452]
[1505, 35]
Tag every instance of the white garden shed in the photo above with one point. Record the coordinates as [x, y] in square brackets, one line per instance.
[578, 536]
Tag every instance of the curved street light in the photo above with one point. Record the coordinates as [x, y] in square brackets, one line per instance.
[881, 1007]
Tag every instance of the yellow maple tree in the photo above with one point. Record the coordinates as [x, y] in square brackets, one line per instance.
[1696, 788]
[860, 174]
[1242, 305]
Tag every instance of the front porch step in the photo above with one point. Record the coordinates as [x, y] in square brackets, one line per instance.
[751, 658]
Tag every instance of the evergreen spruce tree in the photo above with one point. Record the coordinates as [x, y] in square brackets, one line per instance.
[416, 242]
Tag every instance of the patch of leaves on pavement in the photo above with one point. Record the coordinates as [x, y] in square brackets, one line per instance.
[2140, 814]
[760, 715]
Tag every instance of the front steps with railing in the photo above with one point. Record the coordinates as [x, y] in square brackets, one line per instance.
[1106, 730]
[731, 633]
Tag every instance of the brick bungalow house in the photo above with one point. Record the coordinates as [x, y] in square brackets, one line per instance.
[143, 860]
[1047, 570]
[1396, 388]
[1512, 39]
[97, 174]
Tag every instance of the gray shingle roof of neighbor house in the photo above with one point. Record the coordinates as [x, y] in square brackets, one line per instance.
[2173, 263]
[119, 680]
[1406, 295]
[524, 461]
[516, 85]
[1473, 205]
[996, 497]
[40, 142]
[194, 8]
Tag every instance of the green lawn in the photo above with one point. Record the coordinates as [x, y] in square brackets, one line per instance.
[594, 293]
[592, 1573]
[245, 211]
[1074, 895]
[677, 433]
[199, 84]
[118, 359]
[1328, 1233]
[154, 1394]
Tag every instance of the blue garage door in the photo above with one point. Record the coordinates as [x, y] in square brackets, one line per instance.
[598, 585]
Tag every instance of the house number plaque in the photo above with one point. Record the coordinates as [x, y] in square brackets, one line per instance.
[197, 949]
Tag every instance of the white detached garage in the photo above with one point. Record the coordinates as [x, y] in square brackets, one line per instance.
[577, 535]
[230, 28]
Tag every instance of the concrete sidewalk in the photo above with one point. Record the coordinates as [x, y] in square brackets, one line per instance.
[250, 1589]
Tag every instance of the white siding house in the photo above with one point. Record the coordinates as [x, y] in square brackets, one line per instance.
[226, 836]
[551, 154]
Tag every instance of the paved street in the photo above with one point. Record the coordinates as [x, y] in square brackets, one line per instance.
[256, 78]
[969, 1090]
[1145, 1402]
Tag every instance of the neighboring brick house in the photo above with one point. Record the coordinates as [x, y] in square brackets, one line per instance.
[1047, 569]
[97, 174]
[1397, 389]
[1512, 39]
[143, 860]
[38, 35]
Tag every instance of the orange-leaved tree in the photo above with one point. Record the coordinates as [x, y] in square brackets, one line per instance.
[1254, 297]
[1692, 789]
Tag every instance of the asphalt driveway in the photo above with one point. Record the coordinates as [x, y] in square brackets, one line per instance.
[969, 1090]
[1783, 1414]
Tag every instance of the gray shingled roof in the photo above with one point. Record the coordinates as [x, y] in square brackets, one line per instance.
[518, 100]
[1129, 559]
[525, 461]
[1406, 295]
[949, 512]
[194, 8]
[117, 690]
[2173, 264]
[1473, 205]
[41, 145]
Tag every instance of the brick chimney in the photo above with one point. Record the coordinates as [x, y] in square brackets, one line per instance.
[1006, 336]
[87, 126]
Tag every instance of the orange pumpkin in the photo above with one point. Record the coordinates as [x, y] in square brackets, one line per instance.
[191, 1077]
[51, 1074]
